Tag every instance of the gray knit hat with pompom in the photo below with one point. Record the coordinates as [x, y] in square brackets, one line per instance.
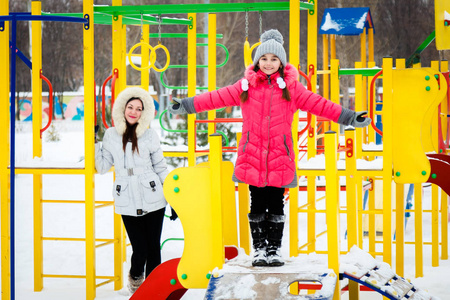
[271, 42]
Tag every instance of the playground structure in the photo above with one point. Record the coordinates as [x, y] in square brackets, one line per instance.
[405, 142]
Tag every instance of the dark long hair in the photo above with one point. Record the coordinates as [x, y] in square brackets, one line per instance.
[130, 132]
[286, 95]
[130, 136]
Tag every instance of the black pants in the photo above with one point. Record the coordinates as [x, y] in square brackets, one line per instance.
[266, 199]
[145, 236]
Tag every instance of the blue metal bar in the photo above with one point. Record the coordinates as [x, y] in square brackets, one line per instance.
[12, 153]
[21, 55]
[27, 17]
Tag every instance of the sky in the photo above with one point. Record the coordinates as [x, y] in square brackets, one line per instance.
[67, 220]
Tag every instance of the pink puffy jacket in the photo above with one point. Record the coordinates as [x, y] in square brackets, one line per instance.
[265, 152]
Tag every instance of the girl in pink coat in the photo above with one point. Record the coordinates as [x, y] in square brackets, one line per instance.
[269, 95]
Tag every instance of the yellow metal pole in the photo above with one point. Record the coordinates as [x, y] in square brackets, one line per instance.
[418, 231]
[192, 85]
[333, 46]
[335, 89]
[145, 58]
[4, 152]
[359, 99]
[294, 58]
[244, 209]
[212, 66]
[434, 225]
[400, 229]
[89, 102]
[325, 63]
[444, 225]
[444, 196]
[215, 164]
[371, 46]
[436, 119]
[371, 135]
[400, 213]
[332, 206]
[118, 63]
[387, 160]
[36, 54]
[352, 202]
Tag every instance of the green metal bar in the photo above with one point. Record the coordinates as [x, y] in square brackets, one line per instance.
[198, 8]
[227, 54]
[106, 19]
[415, 57]
[227, 141]
[182, 35]
[170, 239]
[362, 71]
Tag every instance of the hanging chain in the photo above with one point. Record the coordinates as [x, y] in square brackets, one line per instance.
[142, 27]
[159, 29]
[260, 23]
[246, 25]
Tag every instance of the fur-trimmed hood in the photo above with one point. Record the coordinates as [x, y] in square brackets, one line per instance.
[256, 78]
[118, 112]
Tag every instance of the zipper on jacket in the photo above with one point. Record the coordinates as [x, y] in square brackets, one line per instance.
[268, 135]
[287, 148]
[246, 142]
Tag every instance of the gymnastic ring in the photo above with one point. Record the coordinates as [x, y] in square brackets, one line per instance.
[152, 56]
[167, 55]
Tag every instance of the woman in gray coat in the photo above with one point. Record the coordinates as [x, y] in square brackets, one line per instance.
[140, 170]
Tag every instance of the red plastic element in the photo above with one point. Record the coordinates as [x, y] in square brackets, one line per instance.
[157, 285]
[50, 103]
[113, 86]
[349, 147]
[440, 168]
[444, 141]
[231, 252]
[372, 109]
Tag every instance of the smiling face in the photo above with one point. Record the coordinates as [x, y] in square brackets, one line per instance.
[133, 111]
[269, 63]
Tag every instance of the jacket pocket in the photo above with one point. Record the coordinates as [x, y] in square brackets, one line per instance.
[287, 148]
[152, 189]
[121, 193]
[246, 142]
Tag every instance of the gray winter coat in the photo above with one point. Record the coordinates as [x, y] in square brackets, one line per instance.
[137, 189]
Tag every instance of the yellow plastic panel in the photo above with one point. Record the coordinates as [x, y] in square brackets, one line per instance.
[416, 95]
[188, 190]
[193, 207]
[229, 218]
[441, 15]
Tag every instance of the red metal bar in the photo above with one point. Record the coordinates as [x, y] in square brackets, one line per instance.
[113, 76]
[103, 101]
[50, 103]
[113, 88]
[372, 84]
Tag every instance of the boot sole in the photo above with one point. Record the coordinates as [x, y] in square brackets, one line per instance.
[260, 264]
[275, 264]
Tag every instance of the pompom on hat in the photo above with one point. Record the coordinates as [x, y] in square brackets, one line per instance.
[271, 42]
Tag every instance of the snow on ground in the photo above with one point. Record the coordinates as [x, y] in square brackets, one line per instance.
[67, 220]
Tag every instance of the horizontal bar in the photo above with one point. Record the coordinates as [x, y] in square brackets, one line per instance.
[125, 10]
[183, 35]
[361, 71]
[46, 17]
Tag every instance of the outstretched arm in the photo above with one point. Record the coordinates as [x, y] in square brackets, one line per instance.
[353, 118]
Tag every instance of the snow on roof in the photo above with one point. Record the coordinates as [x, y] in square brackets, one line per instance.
[346, 21]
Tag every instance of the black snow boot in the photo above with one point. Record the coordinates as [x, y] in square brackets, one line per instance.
[134, 282]
[275, 226]
[259, 235]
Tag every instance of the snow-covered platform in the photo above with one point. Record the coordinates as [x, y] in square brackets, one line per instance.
[237, 281]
